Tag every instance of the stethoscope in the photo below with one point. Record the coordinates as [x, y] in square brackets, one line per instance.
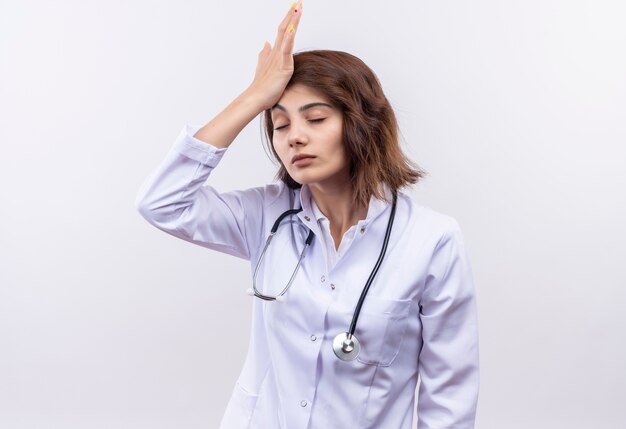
[345, 345]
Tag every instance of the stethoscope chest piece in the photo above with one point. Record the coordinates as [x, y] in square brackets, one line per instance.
[346, 348]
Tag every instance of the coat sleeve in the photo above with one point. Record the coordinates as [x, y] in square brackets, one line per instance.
[175, 199]
[448, 360]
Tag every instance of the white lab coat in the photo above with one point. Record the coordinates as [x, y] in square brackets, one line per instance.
[419, 317]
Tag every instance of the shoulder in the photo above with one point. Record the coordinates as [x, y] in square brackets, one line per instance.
[427, 228]
[427, 223]
[276, 194]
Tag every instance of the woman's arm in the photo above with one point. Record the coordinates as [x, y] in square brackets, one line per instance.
[174, 199]
[222, 130]
[448, 361]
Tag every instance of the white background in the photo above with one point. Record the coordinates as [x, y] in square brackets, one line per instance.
[517, 110]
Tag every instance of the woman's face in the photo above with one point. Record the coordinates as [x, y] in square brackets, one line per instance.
[305, 124]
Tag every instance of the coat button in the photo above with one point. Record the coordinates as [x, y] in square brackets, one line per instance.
[332, 286]
[362, 229]
[313, 338]
[303, 403]
[323, 279]
[307, 218]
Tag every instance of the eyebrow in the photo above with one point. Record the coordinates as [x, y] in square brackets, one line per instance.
[303, 108]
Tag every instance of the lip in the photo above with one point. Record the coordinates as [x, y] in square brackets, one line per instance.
[301, 157]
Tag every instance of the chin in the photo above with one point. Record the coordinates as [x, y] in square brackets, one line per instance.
[303, 177]
[303, 180]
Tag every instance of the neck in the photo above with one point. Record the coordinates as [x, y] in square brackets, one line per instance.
[336, 203]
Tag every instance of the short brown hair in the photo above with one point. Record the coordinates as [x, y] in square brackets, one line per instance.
[370, 129]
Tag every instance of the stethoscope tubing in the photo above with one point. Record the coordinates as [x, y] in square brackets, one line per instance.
[345, 345]
[370, 280]
[307, 244]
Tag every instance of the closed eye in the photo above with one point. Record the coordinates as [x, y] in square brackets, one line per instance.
[310, 120]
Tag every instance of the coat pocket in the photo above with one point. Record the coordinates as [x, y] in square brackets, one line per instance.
[381, 329]
[238, 414]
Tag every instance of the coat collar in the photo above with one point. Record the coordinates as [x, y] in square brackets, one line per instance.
[311, 211]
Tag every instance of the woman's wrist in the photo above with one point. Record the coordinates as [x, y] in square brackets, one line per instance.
[222, 130]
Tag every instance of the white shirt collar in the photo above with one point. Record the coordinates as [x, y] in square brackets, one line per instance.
[375, 207]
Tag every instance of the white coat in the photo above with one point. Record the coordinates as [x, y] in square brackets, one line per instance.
[419, 317]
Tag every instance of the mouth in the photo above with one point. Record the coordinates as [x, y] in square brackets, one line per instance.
[297, 158]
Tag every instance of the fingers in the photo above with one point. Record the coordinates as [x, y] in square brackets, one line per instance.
[290, 36]
[263, 55]
[275, 64]
[292, 17]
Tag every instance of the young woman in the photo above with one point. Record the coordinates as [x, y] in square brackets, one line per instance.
[360, 290]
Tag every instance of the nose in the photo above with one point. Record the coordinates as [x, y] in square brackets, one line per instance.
[297, 135]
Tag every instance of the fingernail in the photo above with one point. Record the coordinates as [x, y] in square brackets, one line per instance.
[293, 4]
[291, 28]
